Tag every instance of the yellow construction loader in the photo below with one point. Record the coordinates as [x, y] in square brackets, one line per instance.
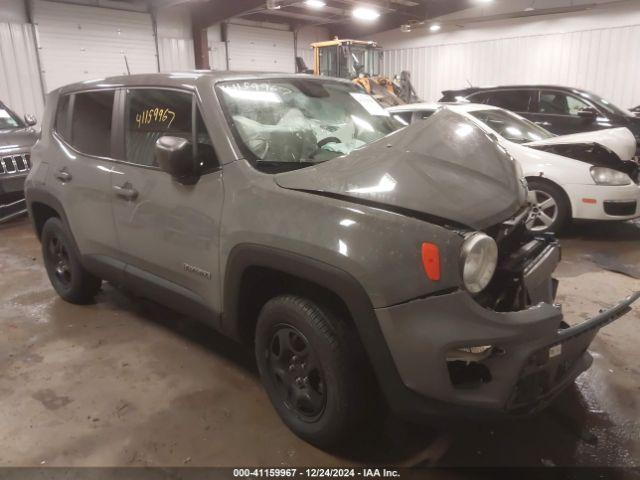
[360, 61]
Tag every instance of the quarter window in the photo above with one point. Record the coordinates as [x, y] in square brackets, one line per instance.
[91, 124]
[482, 97]
[153, 113]
[514, 100]
[561, 104]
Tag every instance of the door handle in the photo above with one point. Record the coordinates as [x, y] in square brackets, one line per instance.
[126, 191]
[543, 124]
[63, 175]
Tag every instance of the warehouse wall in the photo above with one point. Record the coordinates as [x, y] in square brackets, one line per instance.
[175, 40]
[219, 50]
[598, 50]
[20, 86]
[305, 37]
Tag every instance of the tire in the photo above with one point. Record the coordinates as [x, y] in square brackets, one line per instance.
[552, 210]
[311, 368]
[61, 260]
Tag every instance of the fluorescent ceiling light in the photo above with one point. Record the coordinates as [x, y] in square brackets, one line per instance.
[365, 13]
[315, 3]
[435, 27]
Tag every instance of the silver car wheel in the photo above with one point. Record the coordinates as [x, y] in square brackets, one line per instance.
[544, 212]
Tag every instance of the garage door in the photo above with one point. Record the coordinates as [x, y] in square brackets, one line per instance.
[81, 43]
[260, 49]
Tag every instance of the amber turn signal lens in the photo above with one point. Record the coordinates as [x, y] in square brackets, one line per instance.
[431, 261]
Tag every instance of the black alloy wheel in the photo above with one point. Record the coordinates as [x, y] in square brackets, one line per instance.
[296, 372]
[58, 253]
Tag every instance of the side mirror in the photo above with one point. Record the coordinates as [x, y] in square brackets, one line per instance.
[174, 155]
[588, 113]
[30, 120]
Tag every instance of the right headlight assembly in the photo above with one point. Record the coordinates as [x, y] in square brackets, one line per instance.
[608, 176]
[479, 257]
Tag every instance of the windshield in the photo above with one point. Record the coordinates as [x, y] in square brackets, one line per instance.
[8, 119]
[511, 126]
[293, 123]
[364, 60]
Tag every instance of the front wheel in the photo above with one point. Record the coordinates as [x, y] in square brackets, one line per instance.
[550, 209]
[309, 368]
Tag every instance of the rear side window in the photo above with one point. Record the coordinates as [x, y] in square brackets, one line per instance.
[153, 113]
[91, 124]
[514, 100]
[62, 117]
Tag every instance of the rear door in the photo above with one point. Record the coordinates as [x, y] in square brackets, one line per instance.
[81, 169]
[168, 232]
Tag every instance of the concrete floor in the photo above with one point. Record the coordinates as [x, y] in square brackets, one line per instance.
[126, 382]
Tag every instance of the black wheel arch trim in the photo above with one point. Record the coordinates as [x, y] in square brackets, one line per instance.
[37, 195]
[244, 256]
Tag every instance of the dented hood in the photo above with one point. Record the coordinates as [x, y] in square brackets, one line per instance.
[619, 140]
[445, 167]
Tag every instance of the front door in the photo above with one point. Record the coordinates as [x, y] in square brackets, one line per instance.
[168, 231]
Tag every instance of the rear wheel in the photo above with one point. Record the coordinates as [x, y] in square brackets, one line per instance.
[550, 209]
[308, 365]
[68, 277]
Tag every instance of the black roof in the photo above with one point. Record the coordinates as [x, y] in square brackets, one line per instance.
[470, 90]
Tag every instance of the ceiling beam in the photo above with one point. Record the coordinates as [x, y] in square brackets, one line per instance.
[206, 14]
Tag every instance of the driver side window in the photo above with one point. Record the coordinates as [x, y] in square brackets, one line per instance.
[557, 103]
[153, 113]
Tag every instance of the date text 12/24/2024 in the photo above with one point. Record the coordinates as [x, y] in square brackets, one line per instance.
[315, 472]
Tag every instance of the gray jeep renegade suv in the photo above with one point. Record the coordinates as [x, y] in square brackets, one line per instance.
[293, 214]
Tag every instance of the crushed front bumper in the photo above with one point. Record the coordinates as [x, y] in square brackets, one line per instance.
[533, 353]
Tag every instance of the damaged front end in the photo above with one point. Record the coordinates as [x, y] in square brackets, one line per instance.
[507, 349]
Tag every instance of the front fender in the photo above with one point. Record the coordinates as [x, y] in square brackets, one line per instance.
[381, 249]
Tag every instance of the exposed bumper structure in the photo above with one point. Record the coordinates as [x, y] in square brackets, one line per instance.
[452, 351]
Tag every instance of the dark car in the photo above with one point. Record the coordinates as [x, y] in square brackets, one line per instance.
[561, 110]
[17, 136]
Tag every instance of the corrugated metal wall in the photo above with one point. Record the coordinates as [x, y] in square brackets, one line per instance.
[605, 61]
[20, 85]
[176, 54]
[175, 40]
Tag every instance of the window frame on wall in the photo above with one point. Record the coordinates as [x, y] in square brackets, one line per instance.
[121, 128]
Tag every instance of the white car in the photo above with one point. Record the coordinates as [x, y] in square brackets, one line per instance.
[588, 176]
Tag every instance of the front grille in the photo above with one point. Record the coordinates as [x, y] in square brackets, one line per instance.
[18, 163]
